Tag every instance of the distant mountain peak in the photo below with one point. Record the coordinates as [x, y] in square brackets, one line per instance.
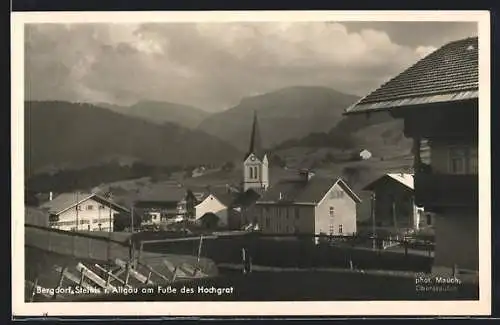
[286, 113]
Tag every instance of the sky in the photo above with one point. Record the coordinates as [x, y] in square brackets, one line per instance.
[213, 66]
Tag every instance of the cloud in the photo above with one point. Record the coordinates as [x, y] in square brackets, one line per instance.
[423, 51]
[211, 65]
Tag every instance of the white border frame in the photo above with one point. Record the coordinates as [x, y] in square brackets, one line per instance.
[325, 308]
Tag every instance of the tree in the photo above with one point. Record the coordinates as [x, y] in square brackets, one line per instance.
[122, 221]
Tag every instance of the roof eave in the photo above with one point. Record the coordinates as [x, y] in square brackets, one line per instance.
[412, 102]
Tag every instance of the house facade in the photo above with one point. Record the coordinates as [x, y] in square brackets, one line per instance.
[162, 203]
[394, 207]
[211, 204]
[308, 205]
[82, 212]
[438, 100]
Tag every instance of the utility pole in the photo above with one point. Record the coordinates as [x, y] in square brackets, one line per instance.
[132, 219]
[77, 206]
[373, 221]
[110, 215]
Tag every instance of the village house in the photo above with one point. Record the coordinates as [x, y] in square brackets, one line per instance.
[160, 203]
[308, 205]
[394, 208]
[364, 155]
[82, 212]
[165, 203]
[212, 200]
[438, 100]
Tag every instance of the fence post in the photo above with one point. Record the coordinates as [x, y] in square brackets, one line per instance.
[89, 246]
[33, 291]
[49, 244]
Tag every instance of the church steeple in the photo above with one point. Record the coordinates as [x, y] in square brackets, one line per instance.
[255, 140]
[255, 164]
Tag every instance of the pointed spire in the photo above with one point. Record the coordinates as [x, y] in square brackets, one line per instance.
[255, 141]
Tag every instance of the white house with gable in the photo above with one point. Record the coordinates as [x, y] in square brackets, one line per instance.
[82, 212]
[211, 204]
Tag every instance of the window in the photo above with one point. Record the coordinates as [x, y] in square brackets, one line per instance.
[332, 212]
[331, 230]
[101, 207]
[340, 229]
[251, 172]
[66, 223]
[90, 207]
[463, 160]
[337, 194]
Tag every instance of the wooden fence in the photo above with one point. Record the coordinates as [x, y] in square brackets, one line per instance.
[76, 244]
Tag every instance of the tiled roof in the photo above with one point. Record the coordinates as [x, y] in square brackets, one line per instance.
[448, 74]
[301, 191]
[246, 199]
[65, 201]
[162, 193]
[402, 178]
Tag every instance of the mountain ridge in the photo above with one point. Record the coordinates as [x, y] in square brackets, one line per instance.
[284, 114]
[59, 133]
[159, 112]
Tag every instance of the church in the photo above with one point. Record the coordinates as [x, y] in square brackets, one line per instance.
[302, 204]
[255, 163]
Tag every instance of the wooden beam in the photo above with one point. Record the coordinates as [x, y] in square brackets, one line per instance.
[73, 278]
[113, 276]
[158, 274]
[138, 276]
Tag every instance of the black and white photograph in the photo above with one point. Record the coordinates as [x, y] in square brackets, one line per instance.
[298, 163]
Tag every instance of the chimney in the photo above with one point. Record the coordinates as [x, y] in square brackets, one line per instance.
[50, 196]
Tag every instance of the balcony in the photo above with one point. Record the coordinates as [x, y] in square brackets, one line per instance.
[437, 191]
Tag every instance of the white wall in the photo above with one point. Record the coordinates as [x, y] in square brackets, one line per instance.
[344, 213]
[86, 217]
[262, 176]
[212, 204]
